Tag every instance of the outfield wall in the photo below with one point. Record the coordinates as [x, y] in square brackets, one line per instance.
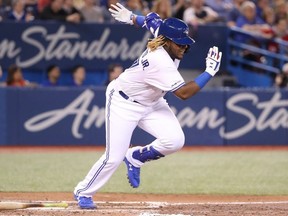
[76, 116]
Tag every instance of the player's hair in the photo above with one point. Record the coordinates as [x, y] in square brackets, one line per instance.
[156, 42]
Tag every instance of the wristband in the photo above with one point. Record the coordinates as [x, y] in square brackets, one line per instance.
[202, 79]
[140, 20]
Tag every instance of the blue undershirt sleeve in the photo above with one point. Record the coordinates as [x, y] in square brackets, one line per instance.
[140, 20]
[202, 79]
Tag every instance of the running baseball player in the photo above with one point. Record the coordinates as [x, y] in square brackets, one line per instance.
[135, 98]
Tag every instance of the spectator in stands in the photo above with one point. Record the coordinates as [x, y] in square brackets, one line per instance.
[92, 12]
[281, 29]
[198, 14]
[255, 26]
[144, 7]
[15, 77]
[261, 6]
[106, 14]
[166, 9]
[31, 7]
[281, 79]
[178, 8]
[78, 75]
[114, 70]
[7, 3]
[43, 4]
[54, 11]
[234, 13]
[281, 9]
[18, 13]
[5, 8]
[250, 22]
[268, 16]
[69, 8]
[2, 11]
[1, 73]
[221, 7]
[53, 75]
[136, 7]
[163, 8]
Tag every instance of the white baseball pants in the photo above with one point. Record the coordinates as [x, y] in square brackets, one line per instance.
[122, 117]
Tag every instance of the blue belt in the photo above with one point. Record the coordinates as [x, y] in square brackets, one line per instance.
[127, 97]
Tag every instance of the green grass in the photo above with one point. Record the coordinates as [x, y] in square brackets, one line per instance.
[247, 173]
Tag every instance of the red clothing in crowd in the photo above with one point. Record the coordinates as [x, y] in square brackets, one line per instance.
[42, 4]
[20, 83]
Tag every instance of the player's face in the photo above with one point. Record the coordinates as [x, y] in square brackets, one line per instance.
[176, 51]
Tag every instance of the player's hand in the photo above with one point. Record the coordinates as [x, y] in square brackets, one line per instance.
[121, 14]
[213, 61]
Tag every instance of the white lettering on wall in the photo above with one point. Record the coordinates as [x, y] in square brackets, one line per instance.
[77, 108]
[8, 48]
[68, 45]
[273, 115]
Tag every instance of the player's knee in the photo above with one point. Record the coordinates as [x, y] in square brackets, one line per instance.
[179, 141]
[174, 142]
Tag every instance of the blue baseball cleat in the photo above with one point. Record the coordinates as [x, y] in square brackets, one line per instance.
[85, 202]
[133, 174]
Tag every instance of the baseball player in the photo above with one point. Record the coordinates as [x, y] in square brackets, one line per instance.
[135, 98]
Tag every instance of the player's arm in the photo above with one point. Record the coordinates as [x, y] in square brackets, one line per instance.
[212, 67]
[151, 21]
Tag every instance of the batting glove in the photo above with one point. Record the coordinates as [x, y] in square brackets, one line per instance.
[121, 14]
[213, 61]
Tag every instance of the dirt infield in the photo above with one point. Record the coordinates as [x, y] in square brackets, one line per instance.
[154, 205]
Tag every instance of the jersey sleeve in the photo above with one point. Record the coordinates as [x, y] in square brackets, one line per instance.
[164, 75]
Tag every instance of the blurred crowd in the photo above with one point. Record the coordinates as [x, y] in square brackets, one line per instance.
[15, 77]
[266, 18]
[263, 14]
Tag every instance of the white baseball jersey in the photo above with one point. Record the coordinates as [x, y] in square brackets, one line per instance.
[149, 78]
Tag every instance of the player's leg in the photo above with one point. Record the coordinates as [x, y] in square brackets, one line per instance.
[116, 147]
[118, 135]
[162, 124]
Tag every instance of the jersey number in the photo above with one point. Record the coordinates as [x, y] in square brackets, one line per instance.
[144, 62]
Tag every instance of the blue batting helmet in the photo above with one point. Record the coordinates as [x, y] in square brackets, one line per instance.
[175, 30]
